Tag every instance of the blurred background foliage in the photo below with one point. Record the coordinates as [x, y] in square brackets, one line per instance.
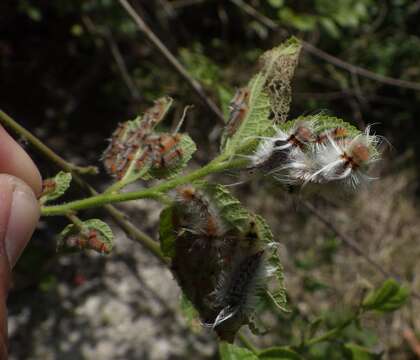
[71, 70]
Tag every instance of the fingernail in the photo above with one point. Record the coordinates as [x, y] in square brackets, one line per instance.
[24, 215]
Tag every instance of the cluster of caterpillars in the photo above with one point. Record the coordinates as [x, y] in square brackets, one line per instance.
[308, 151]
[136, 144]
[88, 239]
[305, 154]
[219, 268]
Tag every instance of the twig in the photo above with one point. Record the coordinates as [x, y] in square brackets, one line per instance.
[359, 70]
[119, 60]
[118, 216]
[247, 343]
[327, 57]
[110, 196]
[412, 341]
[330, 334]
[106, 34]
[75, 220]
[195, 85]
[38, 144]
[184, 3]
[256, 14]
[350, 242]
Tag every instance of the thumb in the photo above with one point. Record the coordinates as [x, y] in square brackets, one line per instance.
[19, 214]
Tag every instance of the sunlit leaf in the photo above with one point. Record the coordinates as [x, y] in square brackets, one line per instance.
[269, 92]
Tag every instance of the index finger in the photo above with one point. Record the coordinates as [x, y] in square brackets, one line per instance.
[15, 161]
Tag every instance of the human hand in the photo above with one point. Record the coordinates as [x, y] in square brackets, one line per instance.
[20, 185]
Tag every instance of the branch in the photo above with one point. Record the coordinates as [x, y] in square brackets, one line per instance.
[119, 60]
[155, 192]
[412, 341]
[247, 343]
[177, 4]
[118, 216]
[330, 334]
[194, 84]
[106, 34]
[353, 69]
[38, 144]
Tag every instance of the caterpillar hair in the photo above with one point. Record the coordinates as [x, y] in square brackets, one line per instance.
[297, 169]
[201, 216]
[276, 148]
[164, 150]
[337, 134]
[301, 134]
[238, 287]
[345, 160]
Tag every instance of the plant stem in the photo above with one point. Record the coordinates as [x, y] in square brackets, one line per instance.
[247, 343]
[115, 187]
[155, 192]
[75, 220]
[330, 334]
[40, 146]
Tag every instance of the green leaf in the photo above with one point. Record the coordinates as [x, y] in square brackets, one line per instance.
[330, 27]
[276, 3]
[255, 121]
[303, 22]
[269, 91]
[93, 234]
[200, 66]
[232, 352]
[278, 296]
[190, 314]
[279, 353]
[188, 148]
[389, 297]
[135, 148]
[124, 137]
[361, 353]
[55, 187]
[324, 122]
[166, 232]
[230, 208]
[279, 66]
